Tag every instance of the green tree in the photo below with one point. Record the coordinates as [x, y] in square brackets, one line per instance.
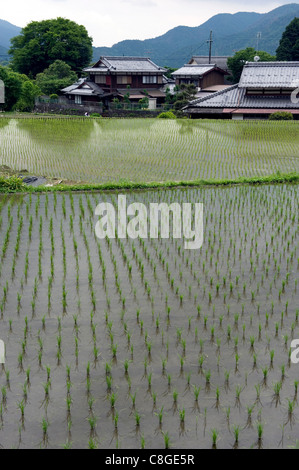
[288, 48]
[127, 98]
[186, 93]
[59, 75]
[237, 62]
[169, 97]
[13, 86]
[144, 102]
[169, 71]
[42, 42]
[20, 92]
[29, 92]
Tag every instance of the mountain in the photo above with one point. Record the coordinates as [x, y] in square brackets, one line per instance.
[7, 31]
[231, 32]
[271, 25]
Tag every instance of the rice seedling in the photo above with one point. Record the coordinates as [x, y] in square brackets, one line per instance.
[214, 435]
[92, 420]
[160, 416]
[96, 276]
[45, 426]
[112, 399]
[260, 431]
[236, 431]
[137, 419]
[92, 444]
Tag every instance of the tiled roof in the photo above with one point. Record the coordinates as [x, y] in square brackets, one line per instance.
[152, 93]
[73, 86]
[235, 97]
[220, 61]
[270, 75]
[256, 75]
[125, 64]
[77, 88]
[196, 70]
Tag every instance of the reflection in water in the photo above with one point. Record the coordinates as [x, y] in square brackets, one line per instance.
[105, 150]
[3, 123]
[56, 132]
[186, 127]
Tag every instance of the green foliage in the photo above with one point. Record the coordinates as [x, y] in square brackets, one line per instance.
[20, 92]
[281, 116]
[185, 94]
[144, 102]
[127, 98]
[169, 71]
[11, 184]
[57, 76]
[288, 48]
[237, 62]
[167, 115]
[13, 86]
[43, 42]
[29, 91]
[170, 97]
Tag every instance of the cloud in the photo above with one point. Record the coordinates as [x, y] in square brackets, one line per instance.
[113, 21]
[141, 3]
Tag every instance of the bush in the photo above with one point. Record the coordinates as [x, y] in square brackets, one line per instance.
[167, 115]
[95, 115]
[281, 116]
[10, 184]
[54, 96]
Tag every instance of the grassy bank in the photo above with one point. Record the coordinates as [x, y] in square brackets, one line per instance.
[13, 184]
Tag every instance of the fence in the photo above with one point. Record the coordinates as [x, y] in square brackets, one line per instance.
[137, 107]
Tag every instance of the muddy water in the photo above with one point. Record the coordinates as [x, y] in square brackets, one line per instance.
[231, 292]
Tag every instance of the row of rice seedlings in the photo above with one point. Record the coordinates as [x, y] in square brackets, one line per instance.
[161, 150]
[196, 324]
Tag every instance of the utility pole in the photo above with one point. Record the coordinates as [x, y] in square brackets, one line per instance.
[210, 41]
[258, 37]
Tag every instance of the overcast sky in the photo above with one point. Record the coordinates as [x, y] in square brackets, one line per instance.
[111, 21]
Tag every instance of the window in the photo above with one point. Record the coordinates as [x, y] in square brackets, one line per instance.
[100, 79]
[189, 81]
[124, 79]
[149, 79]
[78, 99]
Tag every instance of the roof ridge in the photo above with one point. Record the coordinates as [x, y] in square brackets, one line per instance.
[274, 63]
[198, 65]
[125, 57]
[212, 95]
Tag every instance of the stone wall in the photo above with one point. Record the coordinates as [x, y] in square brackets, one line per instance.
[80, 110]
[65, 108]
